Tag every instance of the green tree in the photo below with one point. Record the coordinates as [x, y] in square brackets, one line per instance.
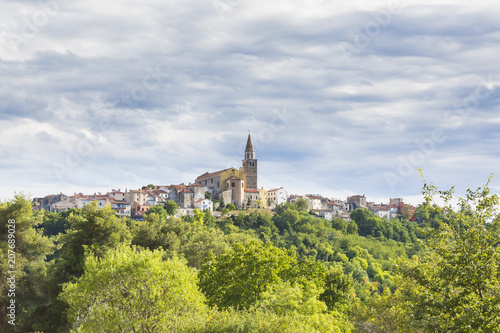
[171, 207]
[23, 249]
[455, 286]
[158, 209]
[56, 223]
[238, 277]
[97, 228]
[302, 205]
[198, 216]
[178, 238]
[133, 290]
[338, 287]
[287, 298]
[91, 228]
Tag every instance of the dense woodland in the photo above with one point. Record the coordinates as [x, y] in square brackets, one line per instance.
[88, 270]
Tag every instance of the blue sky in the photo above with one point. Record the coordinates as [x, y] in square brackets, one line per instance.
[341, 98]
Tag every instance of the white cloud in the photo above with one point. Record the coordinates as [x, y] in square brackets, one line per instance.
[159, 92]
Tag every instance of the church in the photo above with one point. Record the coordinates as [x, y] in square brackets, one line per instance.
[229, 185]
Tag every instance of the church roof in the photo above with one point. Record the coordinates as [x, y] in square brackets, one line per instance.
[212, 174]
[249, 144]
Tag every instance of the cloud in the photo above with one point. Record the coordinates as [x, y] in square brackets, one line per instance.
[132, 93]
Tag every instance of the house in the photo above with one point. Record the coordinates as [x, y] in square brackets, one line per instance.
[276, 196]
[381, 211]
[46, 202]
[317, 202]
[203, 204]
[252, 196]
[116, 194]
[228, 185]
[357, 201]
[121, 207]
[325, 213]
[62, 206]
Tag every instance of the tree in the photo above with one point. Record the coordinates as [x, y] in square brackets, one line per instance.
[56, 223]
[208, 195]
[97, 228]
[338, 287]
[198, 216]
[302, 205]
[455, 286]
[179, 238]
[158, 209]
[133, 290]
[171, 207]
[23, 250]
[237, 277]
[405, 212]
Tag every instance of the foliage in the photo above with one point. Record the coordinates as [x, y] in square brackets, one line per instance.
[263, 321]
[370, 225]
[56, 223]
[284, 298]
[238, 277]
[28, 249]
[157, 210]
[338, 288]
[455, 286]
[178, 237]
[132, 290]
[171, 207]
[96, 228]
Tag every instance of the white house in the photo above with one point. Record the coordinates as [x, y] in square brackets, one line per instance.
[203, 204]
[277, 196]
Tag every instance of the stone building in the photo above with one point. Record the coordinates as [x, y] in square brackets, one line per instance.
[250, 165]
[230, 184]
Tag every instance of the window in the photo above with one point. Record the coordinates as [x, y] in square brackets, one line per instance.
[211, 181]
[233, 184]
[218, 184]
[205, 182]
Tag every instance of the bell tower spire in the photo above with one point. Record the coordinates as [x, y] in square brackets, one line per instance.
[250, 165]
[249, 151]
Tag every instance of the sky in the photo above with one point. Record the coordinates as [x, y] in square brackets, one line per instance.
[340, 98]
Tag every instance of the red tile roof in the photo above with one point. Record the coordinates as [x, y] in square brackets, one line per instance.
[251, 190]
[179, 187]
[314, 197]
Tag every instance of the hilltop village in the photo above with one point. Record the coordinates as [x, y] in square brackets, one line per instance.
[215, 190]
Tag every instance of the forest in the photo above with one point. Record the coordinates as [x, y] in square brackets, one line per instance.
[89, 270]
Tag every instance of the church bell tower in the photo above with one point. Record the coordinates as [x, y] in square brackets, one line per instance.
[250, 165]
